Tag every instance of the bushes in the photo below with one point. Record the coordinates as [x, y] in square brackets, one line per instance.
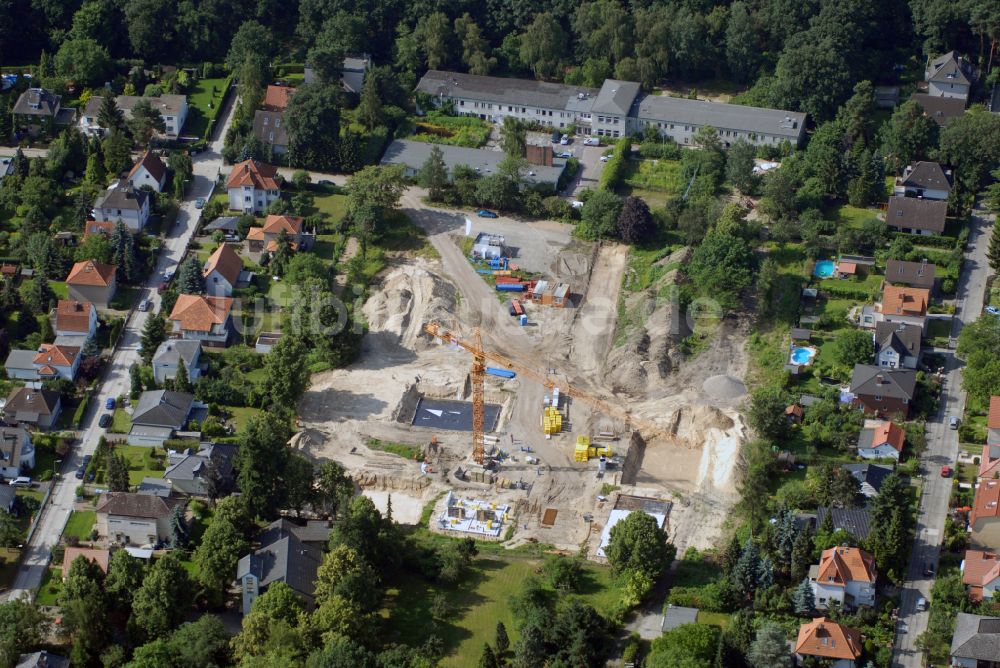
[660, 150]
[846, 291]
[947, 243]
[614, 169]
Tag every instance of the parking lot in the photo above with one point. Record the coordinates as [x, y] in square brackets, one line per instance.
[588, 156]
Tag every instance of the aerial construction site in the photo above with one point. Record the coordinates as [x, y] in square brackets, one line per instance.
[516, 396]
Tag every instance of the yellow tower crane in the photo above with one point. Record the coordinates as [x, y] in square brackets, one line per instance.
[478, 377]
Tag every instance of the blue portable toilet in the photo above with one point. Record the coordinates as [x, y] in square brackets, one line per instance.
[524, 319]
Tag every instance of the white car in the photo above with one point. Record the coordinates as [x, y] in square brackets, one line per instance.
[564, 140]
[168, 274]
[591, 141]
[144, 305]
[605, 158]
[577, 204]
[993, 310]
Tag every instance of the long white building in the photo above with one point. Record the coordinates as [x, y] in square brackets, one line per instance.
[616, 109]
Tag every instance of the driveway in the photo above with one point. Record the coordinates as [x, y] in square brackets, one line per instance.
[590, 167]
[115, 381]
[942, 449]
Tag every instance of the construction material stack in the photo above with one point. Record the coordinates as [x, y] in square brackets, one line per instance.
[582, 452]
[551, 421]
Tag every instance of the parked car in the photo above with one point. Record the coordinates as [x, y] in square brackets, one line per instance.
[565, 140]
[486, 213]
[929, 569]
[199, 203]
[953, 422]
[556, 136]
[605, 158]
[921, 604]
[83, 466]
[993, 310]
[564, 154]
[326, 182]
[20, 481]
[144, 305]
[591, 141]
[945, 471]
[168, 274]
[110, 403]
[105, 421]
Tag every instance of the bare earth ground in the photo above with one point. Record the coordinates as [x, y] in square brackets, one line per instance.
[376, 396]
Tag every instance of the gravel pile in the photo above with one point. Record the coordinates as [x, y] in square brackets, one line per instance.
[724, 387]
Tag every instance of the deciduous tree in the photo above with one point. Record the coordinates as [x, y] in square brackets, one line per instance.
[162, 601]
[635, 222]
[638, 543]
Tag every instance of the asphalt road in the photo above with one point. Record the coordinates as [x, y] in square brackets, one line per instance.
[942, 449]
[115, 381]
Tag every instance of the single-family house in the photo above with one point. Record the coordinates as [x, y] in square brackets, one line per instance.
[149, 171]
[222, 271]
[881, 439]
[794, 413]
[912, 274]
[208, 472]
[975, 642]
[915, 215]
[993, 422]
[157, 415]
[276, 98]
[984, 518]
[845, 575]
[825, 639]
[924, 179]
[32, 408]
[49, 362]
[253, 186]
[42, 659]
[904, 305]
[93, 282]
[943, 110]
[202, 318]
[285, 553]
[100, 557]
[269, 127]
[352, 72]
[948, 76]
[125, 202]
[855, 521]
[73, 318]
[127, 518]
[171, 354]
[989, 462]
[883, 391]
[155, 486]
[173, 109]
[225, 224]
[17, 452]
[869, 476]
[981, 574]
[265, 238]
[38, 111]
[897, 345]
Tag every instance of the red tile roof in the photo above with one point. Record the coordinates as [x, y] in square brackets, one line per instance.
[980, 569]
[153, 165]
[51, 354]
[986, 504]
[91, 273]
[901, 300]
[276, 98]
[198, 313]
[993, 419]
[847, 267]
[840, 565]
[99, 557]
[989, 462]
[256, 174]
[891, 433]
[73, 316]
[826, 638]
[225, 261]
[277, 224]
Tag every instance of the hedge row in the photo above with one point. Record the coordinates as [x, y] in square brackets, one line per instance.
[946, 243]
[845, 290]
[614, 168]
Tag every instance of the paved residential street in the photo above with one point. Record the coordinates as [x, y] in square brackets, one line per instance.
[942, 449]
[115, 382]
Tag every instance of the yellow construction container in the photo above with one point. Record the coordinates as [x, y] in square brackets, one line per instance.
[582, 451]
[551, 420]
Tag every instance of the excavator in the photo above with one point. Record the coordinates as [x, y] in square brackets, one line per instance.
[480, 356]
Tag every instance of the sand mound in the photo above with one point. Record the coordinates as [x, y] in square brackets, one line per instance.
[573, 264]
[409, 297]
[724, 387]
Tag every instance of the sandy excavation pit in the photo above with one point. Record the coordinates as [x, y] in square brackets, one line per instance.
[694, 463]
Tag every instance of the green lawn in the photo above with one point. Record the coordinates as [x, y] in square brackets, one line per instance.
[122, 422]
[720, 619]
[8, 566]
[242, 415]
[939, 332]
[80, 524]
[480, 601]
[124, 298]
[852, 216]
[51, 587]
[401, 449]
[325, 247]
[656, 175]
[203, 104]
[60, 289]
[330, 203]
[142, 463]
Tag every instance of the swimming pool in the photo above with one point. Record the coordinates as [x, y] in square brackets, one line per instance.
[823, 269]
[802, 356]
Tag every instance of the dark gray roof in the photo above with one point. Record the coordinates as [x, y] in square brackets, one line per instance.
[162, 408]
[37, 102]
[927, 175]
[873, 474]
[155, 487]
[224, 223]
[976, 637]
[904, 339]
[948, 69]
[920, 214]
[800, 334]
[676, 615]
[173, 350]
[776, 122]
[809, 400]
[122, 195]
[524, 92]
[11, 439]
[871, 380]
[7, 496]
[917, 274]
[129, 504]
[941, 109]
[414, 154]
[852, 520]
[616, 97]
[269, 127]
[42, 659]
[21, 359]
[282, 557]
[195, 466]
[312, 532]
[167, 105]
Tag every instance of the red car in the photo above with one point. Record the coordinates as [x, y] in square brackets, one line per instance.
[945, 471]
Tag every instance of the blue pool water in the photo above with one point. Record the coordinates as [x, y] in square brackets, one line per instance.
[823, 269]
[802, 355]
